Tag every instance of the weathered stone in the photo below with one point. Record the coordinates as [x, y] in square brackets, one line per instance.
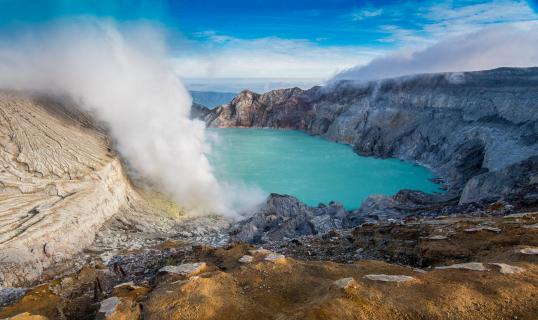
[345, 283]
[420, 270]
[483, 228]
[529, 250]
[275, 258]
[437, 237]
[59, 184]
[127, 285]
[474, 266]
[520, 215]
[186, 269]
[508, 269]
[246, 259]
[284, 216]
[388, 278]
[108, 306]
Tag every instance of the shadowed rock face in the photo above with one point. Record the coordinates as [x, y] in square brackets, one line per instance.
[284, 216]
[461, 125]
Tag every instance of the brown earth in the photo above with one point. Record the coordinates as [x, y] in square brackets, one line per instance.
[297, 288]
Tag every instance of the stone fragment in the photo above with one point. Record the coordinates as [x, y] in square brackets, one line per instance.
[108, 306]
[474, 266]
[437, 237]
[483, 228]
[529, 250]
[260, 251]
[388, 278]
[275, 257]
[531, 226]
[520, 215]
[246, 259]
[127, 285]
[508, 269]
[345, 283]
[186, 269]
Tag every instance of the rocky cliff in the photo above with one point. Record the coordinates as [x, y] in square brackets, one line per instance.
[59, 182]
[464, 126]
[64, 190]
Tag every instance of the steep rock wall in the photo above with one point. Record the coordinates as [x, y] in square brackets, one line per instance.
[59, 182]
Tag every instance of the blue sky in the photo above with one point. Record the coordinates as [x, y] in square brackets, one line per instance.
[302, 40]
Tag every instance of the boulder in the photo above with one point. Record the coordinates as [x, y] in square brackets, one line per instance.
[186, 269]
[388, 278]
[508, 269]
[473, 266]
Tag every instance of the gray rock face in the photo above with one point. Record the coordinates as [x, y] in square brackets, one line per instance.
[286, 217]
[520, 179]
[470, 132]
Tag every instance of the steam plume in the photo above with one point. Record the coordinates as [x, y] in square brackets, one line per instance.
[502, 46]
[124, 78]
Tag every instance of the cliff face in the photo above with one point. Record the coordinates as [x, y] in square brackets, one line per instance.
[459, 124]
[59, 182]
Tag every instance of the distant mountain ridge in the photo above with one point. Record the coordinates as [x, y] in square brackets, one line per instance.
[211, 99]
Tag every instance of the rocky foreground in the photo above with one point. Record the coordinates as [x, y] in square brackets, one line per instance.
[80, 240]
[445, 268]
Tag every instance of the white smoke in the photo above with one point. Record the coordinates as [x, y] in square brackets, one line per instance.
[124, 78]
[502, 46]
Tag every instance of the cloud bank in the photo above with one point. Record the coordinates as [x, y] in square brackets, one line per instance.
[125, 79]
[216, 56]
[501, 46]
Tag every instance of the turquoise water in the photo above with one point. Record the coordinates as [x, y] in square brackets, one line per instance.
[312, 169]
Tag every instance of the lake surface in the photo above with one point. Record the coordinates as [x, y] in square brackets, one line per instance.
[312, 169]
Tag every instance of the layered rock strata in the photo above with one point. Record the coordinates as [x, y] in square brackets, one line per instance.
[59, 182]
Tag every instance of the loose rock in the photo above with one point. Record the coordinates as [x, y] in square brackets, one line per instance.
[275, 257]
[529, 250]
[186, 269]
[345, 283]
[108, 306]
[474, 266]
[483, 228]
[508, 269]
[246, 259]
[437, 237]
[388, 278]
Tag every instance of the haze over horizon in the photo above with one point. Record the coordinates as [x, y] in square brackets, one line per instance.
[229, 46]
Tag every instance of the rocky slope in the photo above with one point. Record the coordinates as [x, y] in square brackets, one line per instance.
[63, 190]
[470, 128]
[51, 184]
[445, 268]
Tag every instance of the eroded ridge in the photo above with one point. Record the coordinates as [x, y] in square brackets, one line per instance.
[59, 182]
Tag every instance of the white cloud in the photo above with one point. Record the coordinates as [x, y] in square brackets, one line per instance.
[227, 57]
[445, 20]
[501, 46]
[359, 15]
[406, 29]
